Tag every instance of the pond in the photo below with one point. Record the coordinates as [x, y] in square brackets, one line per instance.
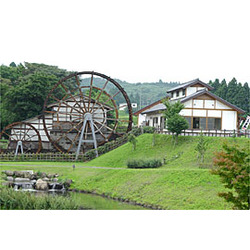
[96, 202]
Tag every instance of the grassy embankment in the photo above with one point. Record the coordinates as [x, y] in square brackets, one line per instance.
[179, 184]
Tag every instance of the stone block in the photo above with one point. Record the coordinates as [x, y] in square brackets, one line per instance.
[22, 179]
[41, 185]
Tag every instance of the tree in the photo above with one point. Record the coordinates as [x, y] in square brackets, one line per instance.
[222, 91]
[215, 85]
[175, 122]
[132, 139]
[231, 89]
[26, 100]
[172, 108]
[201, 149]
[27, 88]
[246, 99]
[232, 165]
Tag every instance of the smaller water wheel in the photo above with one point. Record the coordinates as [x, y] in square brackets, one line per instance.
[21, 137]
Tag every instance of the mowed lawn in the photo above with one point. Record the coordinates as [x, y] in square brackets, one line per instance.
[179, 184]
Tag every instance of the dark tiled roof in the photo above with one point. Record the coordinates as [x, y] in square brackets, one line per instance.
[157, 107]
[190, 83]
[147, 107]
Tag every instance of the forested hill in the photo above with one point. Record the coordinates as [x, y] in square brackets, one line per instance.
[233, 92]
[141, 93]
[25, 87]
[146, 92]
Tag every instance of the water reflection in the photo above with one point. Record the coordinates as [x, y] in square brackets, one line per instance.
[96, 202]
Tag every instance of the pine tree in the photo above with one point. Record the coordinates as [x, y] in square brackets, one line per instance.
[231, 90]
[240, 96]
[246, 102]
[215, 85]
[222, 91]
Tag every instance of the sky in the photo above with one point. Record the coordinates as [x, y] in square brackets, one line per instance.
[134, 41]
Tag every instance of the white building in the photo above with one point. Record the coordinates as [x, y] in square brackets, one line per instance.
[203, 109]
[122, 106]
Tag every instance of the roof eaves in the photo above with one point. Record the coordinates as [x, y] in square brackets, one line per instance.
[147, 107]
[190, 83]
[202, 92]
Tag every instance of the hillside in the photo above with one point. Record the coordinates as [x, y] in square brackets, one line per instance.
[163, 149]
[179, 184]
[140, 93]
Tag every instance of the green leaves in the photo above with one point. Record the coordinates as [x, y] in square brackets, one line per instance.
[132, 139]
[172, 108]
[201, 149]
[232, 165]
[233, 92]
[175, 122]
[24, 89]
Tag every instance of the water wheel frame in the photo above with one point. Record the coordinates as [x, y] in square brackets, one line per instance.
[25, 135]
[82, 109]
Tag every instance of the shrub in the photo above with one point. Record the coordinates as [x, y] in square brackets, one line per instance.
[144, 163]
[10, 200]
[148, 129]
[201, 149]
[135, 131]
[132, 139]
[232, 165]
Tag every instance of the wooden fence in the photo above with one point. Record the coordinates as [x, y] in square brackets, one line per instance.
[64, 157]
[216, 133]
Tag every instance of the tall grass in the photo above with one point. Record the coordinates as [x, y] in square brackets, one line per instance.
[13, 200]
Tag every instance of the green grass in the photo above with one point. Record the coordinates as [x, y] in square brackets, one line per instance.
[179, 184]
[166, 188]
[12, 200]
[124, 116]
[164, 149]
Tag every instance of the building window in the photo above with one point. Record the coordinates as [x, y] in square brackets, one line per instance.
[214, 123]
[172, 94]
[189, 121]
[155, 121]
[163, 122]
[177, 93]
[184, 92]
[199, 122]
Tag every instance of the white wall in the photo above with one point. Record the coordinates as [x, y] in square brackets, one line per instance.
[141, 119]
[209, 104]
[186, 112]
[188, 104]
[198, 103]
[214, 113]
[229, 120]
[220, 105]
[199, 113]
[191, 90]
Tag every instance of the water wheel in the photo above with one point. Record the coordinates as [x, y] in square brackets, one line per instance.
[85, 96]
[21, 136]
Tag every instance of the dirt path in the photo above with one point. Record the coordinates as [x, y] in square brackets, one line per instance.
[33, 165]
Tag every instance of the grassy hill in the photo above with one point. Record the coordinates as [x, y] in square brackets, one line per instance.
[181, 156]
[179, 184]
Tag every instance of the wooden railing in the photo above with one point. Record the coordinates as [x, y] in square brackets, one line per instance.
[65, 157]
[216, 133]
